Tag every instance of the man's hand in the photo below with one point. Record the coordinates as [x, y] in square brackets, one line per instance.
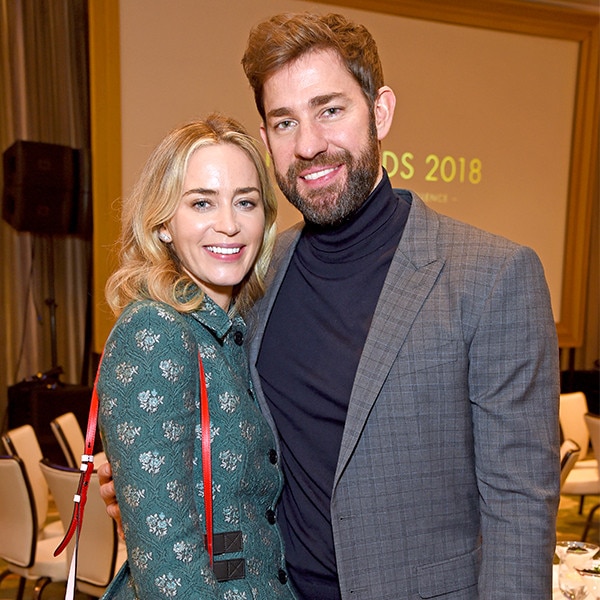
[107, 491]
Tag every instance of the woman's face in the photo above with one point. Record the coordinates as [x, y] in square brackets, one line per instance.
[217, 229]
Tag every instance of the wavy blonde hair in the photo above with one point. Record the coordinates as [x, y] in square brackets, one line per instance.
[149, 268]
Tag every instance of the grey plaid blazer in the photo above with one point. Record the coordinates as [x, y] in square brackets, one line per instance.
[447, 482]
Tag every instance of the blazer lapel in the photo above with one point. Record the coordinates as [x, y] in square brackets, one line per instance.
[412, 274]
[257, 319]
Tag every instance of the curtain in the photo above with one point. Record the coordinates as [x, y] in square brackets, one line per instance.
[45, 279]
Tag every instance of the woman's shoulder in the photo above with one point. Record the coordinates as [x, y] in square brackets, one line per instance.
[148, 319]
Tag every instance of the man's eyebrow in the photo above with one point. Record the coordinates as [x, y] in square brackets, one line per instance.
[324, 99]
[315, 102]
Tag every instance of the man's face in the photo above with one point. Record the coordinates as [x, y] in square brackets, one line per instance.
[322, 137]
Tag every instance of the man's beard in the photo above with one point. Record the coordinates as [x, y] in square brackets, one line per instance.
[333, 205]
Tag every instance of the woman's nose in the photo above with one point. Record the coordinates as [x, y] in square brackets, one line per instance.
[226, 221]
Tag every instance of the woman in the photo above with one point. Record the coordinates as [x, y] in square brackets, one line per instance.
[197, 234]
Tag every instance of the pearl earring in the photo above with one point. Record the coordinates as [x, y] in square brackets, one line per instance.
[163, 236]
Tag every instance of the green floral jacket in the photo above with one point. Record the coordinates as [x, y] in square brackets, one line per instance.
[150, 424]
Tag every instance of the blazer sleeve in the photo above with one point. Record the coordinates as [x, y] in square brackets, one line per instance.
[148, 390]
[514, 389]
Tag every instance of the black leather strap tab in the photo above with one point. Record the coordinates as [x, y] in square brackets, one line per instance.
[227, 570]
[229, 541]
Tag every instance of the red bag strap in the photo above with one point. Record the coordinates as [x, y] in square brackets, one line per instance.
[206, 460]
[87, 467]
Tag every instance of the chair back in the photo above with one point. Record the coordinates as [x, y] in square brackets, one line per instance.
[100, 553]
[18, 517]
[23, 442]
[572, 408]
[67, 431]
[593, 424]
[569, 455]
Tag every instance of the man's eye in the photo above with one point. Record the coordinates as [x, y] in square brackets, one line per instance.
[284, 124]
[332, 111]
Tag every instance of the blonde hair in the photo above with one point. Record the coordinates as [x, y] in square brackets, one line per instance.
[149, 268]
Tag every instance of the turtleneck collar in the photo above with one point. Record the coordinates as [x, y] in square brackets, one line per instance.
[360, 235]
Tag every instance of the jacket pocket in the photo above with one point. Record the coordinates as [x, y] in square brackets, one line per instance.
[452, 575]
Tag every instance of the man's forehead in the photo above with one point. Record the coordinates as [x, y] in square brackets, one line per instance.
[312, 79]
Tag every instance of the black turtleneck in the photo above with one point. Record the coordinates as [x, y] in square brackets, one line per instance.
[307, 364]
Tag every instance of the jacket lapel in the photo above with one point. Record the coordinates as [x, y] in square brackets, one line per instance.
[412, 273]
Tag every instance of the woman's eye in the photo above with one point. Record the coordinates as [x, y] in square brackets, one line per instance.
[200, 203]
[247, 203]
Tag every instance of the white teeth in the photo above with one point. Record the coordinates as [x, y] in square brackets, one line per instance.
[317, 174]
[219, 250]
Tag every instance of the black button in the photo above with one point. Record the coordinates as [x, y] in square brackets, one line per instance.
[270, 514]
[238, 338]
[273, 456]
[282, 576]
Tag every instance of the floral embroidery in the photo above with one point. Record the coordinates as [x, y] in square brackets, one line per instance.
[229, 402]
[158, 524]
[150, 400]
[133, 495]
[173, 431]
[107, 405]
[247, 430]
[167, 316]
[184, 551]
[140, 558]
[170, 371]
[208, 353]
[168, 584]
[175, 490]
[152, 462]
[229, 460]
[234, 595]
[125, 373]
[189, 400]
[231, 515]
[146, 339]
[127, 433]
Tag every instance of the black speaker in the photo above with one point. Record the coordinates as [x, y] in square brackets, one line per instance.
[41, 187]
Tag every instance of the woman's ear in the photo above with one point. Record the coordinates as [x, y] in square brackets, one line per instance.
[164, 235]
[384, 107]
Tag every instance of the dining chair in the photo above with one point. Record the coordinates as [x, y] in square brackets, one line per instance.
[25, 553]
[101, 553]
[593, 424]
[569, 455]
[23, 442]
[572, 408]
[68, 433]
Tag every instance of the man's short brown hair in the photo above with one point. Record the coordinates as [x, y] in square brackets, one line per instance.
[286, 37]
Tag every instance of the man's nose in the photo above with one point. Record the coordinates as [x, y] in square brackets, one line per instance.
[310, 141]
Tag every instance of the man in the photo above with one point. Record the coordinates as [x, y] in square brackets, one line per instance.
[408, 362]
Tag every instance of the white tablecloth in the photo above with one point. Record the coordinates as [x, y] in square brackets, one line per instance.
[556, 593]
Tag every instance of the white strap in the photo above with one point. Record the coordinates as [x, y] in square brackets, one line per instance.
[70, 591]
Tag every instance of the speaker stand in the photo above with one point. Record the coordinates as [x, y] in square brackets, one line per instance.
[51, 303]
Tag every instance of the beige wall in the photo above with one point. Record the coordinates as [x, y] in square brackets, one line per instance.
[464, 94]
